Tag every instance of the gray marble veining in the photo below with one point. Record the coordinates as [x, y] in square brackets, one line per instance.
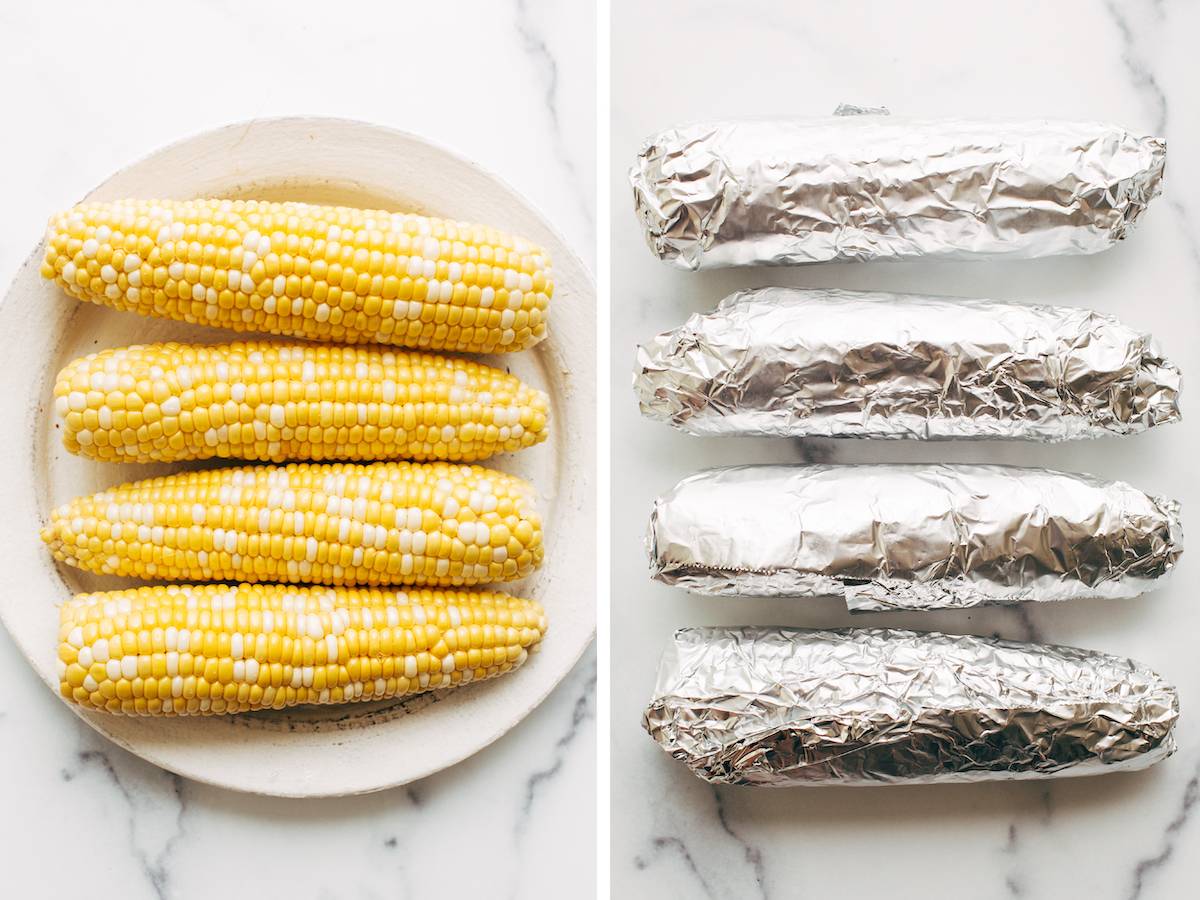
[540, 53]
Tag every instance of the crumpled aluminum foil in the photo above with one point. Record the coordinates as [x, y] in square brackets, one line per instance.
[887, 537]
[863, 187]
[803, 362]
[778, 707]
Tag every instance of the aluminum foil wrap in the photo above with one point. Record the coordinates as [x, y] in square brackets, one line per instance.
[780, 707]
[792, 362]
[889, 537]
[865, 187]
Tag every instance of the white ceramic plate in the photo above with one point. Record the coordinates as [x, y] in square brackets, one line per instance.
[305, 751]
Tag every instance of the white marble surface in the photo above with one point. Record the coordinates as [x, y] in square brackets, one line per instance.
[508, 84]
[1119, 837]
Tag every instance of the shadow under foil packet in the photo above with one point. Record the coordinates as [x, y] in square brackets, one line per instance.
[863, 187]
[781, 707]
[911, 537]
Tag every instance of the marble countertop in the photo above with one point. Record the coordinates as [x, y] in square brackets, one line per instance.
[508, 84]
[1120, 837]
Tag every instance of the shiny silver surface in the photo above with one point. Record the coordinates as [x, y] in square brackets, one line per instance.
[780, 707]
[911, 536]
[820, 362]
[862, 187]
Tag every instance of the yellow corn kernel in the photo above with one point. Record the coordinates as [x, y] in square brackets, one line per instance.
[313, 402]
[335, 523]
[360, 642]
[371, 276]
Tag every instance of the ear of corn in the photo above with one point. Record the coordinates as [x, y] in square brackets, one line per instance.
[208, 649]
[276, 402]
[318, 272]
[335, 524]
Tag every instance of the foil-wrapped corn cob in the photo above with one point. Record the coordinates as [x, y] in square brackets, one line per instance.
[867, 187]
[791, 362]
[778, 707]
[911, 536]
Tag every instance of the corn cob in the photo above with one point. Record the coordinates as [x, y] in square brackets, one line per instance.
[335, 524]
[275, 402]
[207, 649]
[318, 272]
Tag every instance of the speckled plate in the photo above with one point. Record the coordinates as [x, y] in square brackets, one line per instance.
[305, 751]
